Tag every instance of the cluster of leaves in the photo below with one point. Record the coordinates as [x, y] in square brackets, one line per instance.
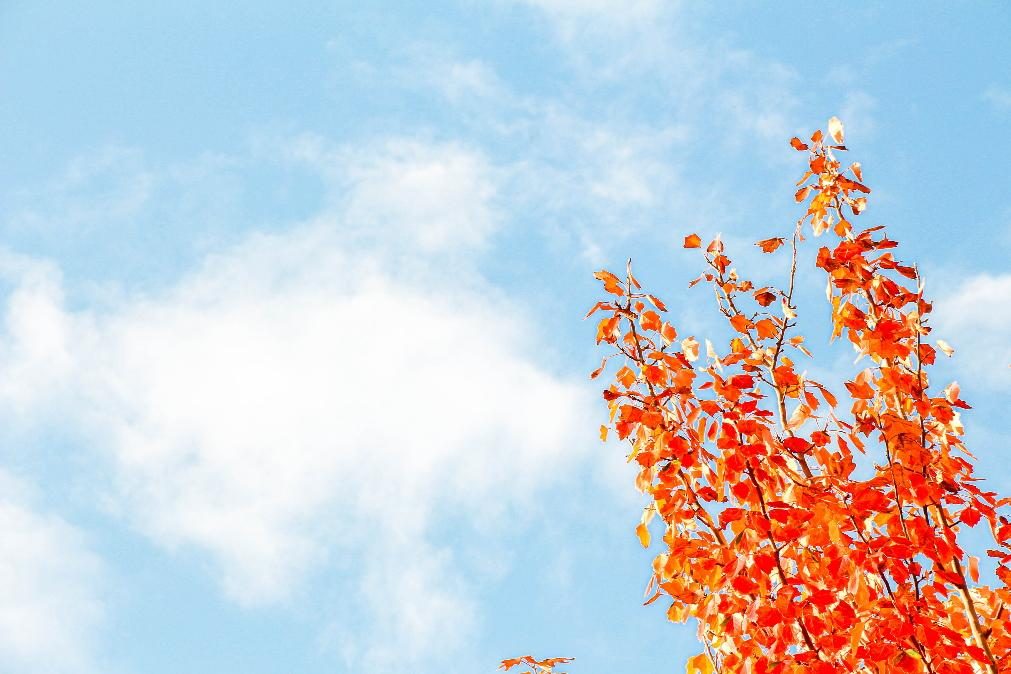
[535, 666]
[789, 558]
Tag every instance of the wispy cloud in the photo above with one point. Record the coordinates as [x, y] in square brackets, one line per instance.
[974, 317]
[420, 196]
[998, 97]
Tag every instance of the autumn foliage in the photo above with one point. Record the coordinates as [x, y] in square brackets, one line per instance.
[791, 558]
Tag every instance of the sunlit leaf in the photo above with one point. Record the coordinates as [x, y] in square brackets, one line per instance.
[611, 282]
[690, 348]
[699, 664]
[642, 532]
[806, 534]
[770, 245]
[835, 129]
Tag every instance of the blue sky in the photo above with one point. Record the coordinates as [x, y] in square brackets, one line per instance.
[292, 365]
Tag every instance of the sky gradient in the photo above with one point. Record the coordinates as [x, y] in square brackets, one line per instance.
[292, 358]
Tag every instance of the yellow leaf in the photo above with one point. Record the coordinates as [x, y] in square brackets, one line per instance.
[858, 633]
[677, 613]
[700, 664]
[643, 533]
[603, 433]
[945, 347]
[834, 534]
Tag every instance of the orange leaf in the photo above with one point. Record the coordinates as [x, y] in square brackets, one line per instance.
[974, 569]
[650, 320]
[764, 297]
[860, 390]
[668, 333]
[625, 376]
[597, 307]
[770, 245]
[766, 328]
[608, 329]
[611, 282]
[692, 241]
[740, 323]
[699, 664]
[798, 144]
[657, 303]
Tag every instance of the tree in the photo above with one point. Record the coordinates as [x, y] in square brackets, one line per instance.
[790, 557]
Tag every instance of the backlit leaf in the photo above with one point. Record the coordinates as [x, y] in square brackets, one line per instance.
[792, 552]
[690, 347]
[642, 532]
[770, 245]
[835, 129]
[611, 282]
[699, 664]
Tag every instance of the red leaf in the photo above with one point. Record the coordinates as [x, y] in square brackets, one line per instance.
[797, 445]
[743, 584]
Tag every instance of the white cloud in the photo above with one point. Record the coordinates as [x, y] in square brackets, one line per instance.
[975, 319]
[49, 604]
[998, 97]
[329, 394]
[34, 350]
